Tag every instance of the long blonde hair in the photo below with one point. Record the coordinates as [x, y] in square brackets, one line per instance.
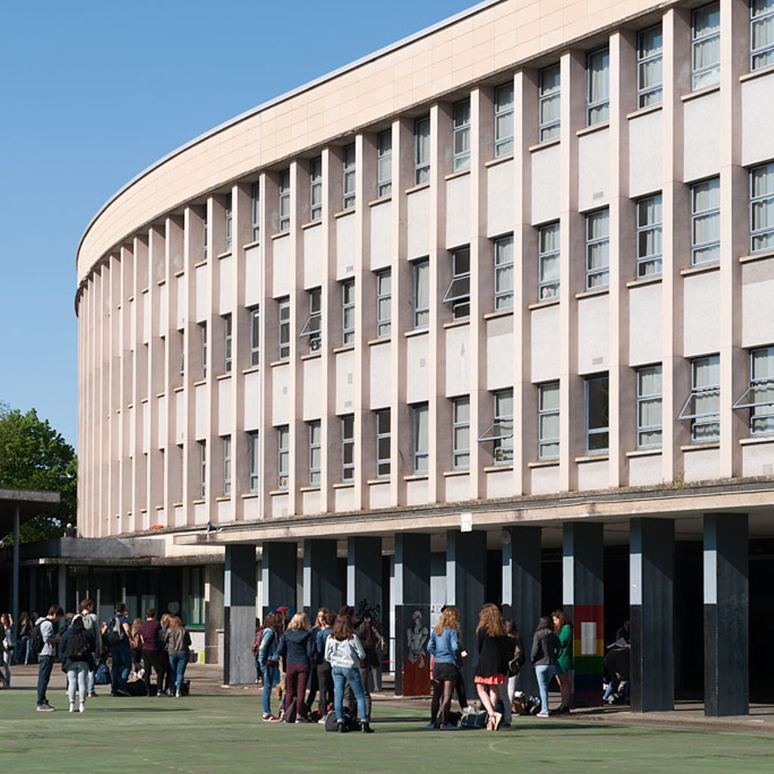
[491, 618]
[299, 621]
[450, 619]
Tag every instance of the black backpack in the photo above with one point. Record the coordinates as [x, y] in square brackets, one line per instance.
[115, 631]
[78, 647]
[36, 639]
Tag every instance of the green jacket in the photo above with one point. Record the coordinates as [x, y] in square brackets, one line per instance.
[565, 638]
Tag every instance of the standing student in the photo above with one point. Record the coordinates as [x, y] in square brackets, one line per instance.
[89, 619]
[117, 633]
[514, 652]
[344, 650]
[23, 639]
[297, 648]
[544, 654]
[492, 667]
[8, 645]
[564, 665]
[78, 659]
[444, 645]
[319, 625]
[268, 658]
[324, 674]
[150, 636]
[169, 678]
[135, 643]
[47, 655]
[178, 641]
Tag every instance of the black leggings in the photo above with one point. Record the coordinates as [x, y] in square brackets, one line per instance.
[443, 688]
[152, 658]
[325, 685]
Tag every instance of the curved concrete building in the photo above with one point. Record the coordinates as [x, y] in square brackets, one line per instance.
[486, 315]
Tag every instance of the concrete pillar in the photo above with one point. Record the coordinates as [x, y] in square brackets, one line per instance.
[321, 577]
[726, 615]
[583, 597]
[278, 571]
[364, 573]
[213, 612]
[15, 605]
[466, 586]
[522, 591]
[239, 615]
[651, 575]
[412, 614]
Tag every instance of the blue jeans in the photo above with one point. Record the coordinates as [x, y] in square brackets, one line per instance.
[77, 677]
[122, 665]
[351, 675]
[269, 681]
[178, 661]
[23, 649]
[544, 674]
[45, 663]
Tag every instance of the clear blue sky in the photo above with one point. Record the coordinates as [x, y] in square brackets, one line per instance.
[93, 92]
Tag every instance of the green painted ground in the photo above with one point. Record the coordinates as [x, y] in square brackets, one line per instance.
[225, 734]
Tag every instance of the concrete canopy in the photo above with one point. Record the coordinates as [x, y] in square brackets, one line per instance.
[29, 503]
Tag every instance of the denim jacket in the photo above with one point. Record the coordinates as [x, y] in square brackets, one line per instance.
[445, 647]
[269, 647]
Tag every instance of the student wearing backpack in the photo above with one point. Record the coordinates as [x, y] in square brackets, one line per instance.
[297, 648]
[514, 654]
[268, 658]
[150, 636]
[324, 674]
[43, 643]
[89, 619]
[117, 633]
[546, 649]
[78, 660]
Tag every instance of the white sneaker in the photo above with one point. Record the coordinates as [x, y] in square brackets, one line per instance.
[81, 707]
[177, 694]
[72, 707]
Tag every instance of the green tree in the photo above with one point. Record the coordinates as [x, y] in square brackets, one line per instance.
[35, 456]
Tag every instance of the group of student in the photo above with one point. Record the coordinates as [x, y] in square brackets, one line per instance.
[500, 657]
[334, 658]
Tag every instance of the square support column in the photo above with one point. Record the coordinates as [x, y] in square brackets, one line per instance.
[412, 614]
[522, 591]
[239, 614]
[465, 589]
[321, 577]
[651, 574]
[278, 573]
[726, 615]
[583, 600]
[364, 574]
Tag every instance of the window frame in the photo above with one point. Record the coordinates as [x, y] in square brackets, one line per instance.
[655, 227]
[283, 194]
[347, 444]
[549, 130]
[644, 93]
[749, 399]
[283, 326]
[254, 460]
[383, 324]
[601, 430]
[228, 343]
[421, 165]
[205, 233]
[544, 441]
[460, 455]
[349, 177]
[598, 104]
[704, 418]
[503, 420]
[348, 309]
[312, 329]
[767, 232]
[229, 218]
[420, 456]
[461, 129]
[283, 457]
[697, 75]
[591, 242]
[460, 301]
[644, 398]
[315, 189]
[503, 145]
[548, 289]
[255, 335]
[203, 335]
[424, 311]
[202, 469]
[767, 49]
[315, 453]
[227, 466]
[500, 270]
[383, 162]
[255, 211]
[383, 464]
[696, 215]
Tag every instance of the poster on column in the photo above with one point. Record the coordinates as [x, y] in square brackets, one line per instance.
[414, 633]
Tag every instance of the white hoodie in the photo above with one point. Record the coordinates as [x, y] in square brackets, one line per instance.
[344, 653]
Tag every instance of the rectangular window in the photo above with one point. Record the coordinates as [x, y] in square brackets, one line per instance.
[315, 189]
[502, 450]
[762, 207]
[229, 223]
[461, 433]
[705, 46]
[703, 405]
[503, 120]
[348, 312]
[205, 234]
[313, 326]
[705, 222]
[255, 210]
[284, 328]
[348, 448]
[759, 398]
[458, 292]
[761, 34]
[202, 469]
[597, 415]
[421, 438]
[227, 466]
[649, 219]
[461, 135]
[649, 66]
[315, 453]
[548, 262]
[255, 460]
[284, 200]
[255, 336]
[503, 273]
[383, 443]
[203, 332]
[548, 421]
[384, 164]
[597, 249]
[597, 87]
[283, 456]
[348, 179]
[549, 103]
[196, 601]
[383, 304]
[227, 343]
[649, 400]
[421, 294]
[182, 353]
[422, 150]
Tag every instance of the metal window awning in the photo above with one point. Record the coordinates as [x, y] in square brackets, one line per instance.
[459, 288]
[758, 394]
[499, 431]
[691, 408]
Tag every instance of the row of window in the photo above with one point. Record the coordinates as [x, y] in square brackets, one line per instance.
[701, 409]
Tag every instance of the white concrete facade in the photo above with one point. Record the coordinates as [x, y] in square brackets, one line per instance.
[274, 214]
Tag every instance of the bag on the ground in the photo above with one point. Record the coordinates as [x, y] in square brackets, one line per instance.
[78, 647]
[474, 720]
[36, 639]
[332, 724]
[185, 688]
[115, 632]
[102, 674]
[256, 648]
[136, 688]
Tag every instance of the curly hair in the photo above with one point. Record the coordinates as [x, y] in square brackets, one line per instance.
[273, 621]
[491, 618]
[450, 619]
[299, 621]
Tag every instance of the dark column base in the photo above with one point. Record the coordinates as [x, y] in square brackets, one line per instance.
[239, 615]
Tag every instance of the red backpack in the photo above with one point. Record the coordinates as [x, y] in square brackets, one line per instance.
[256, 649]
